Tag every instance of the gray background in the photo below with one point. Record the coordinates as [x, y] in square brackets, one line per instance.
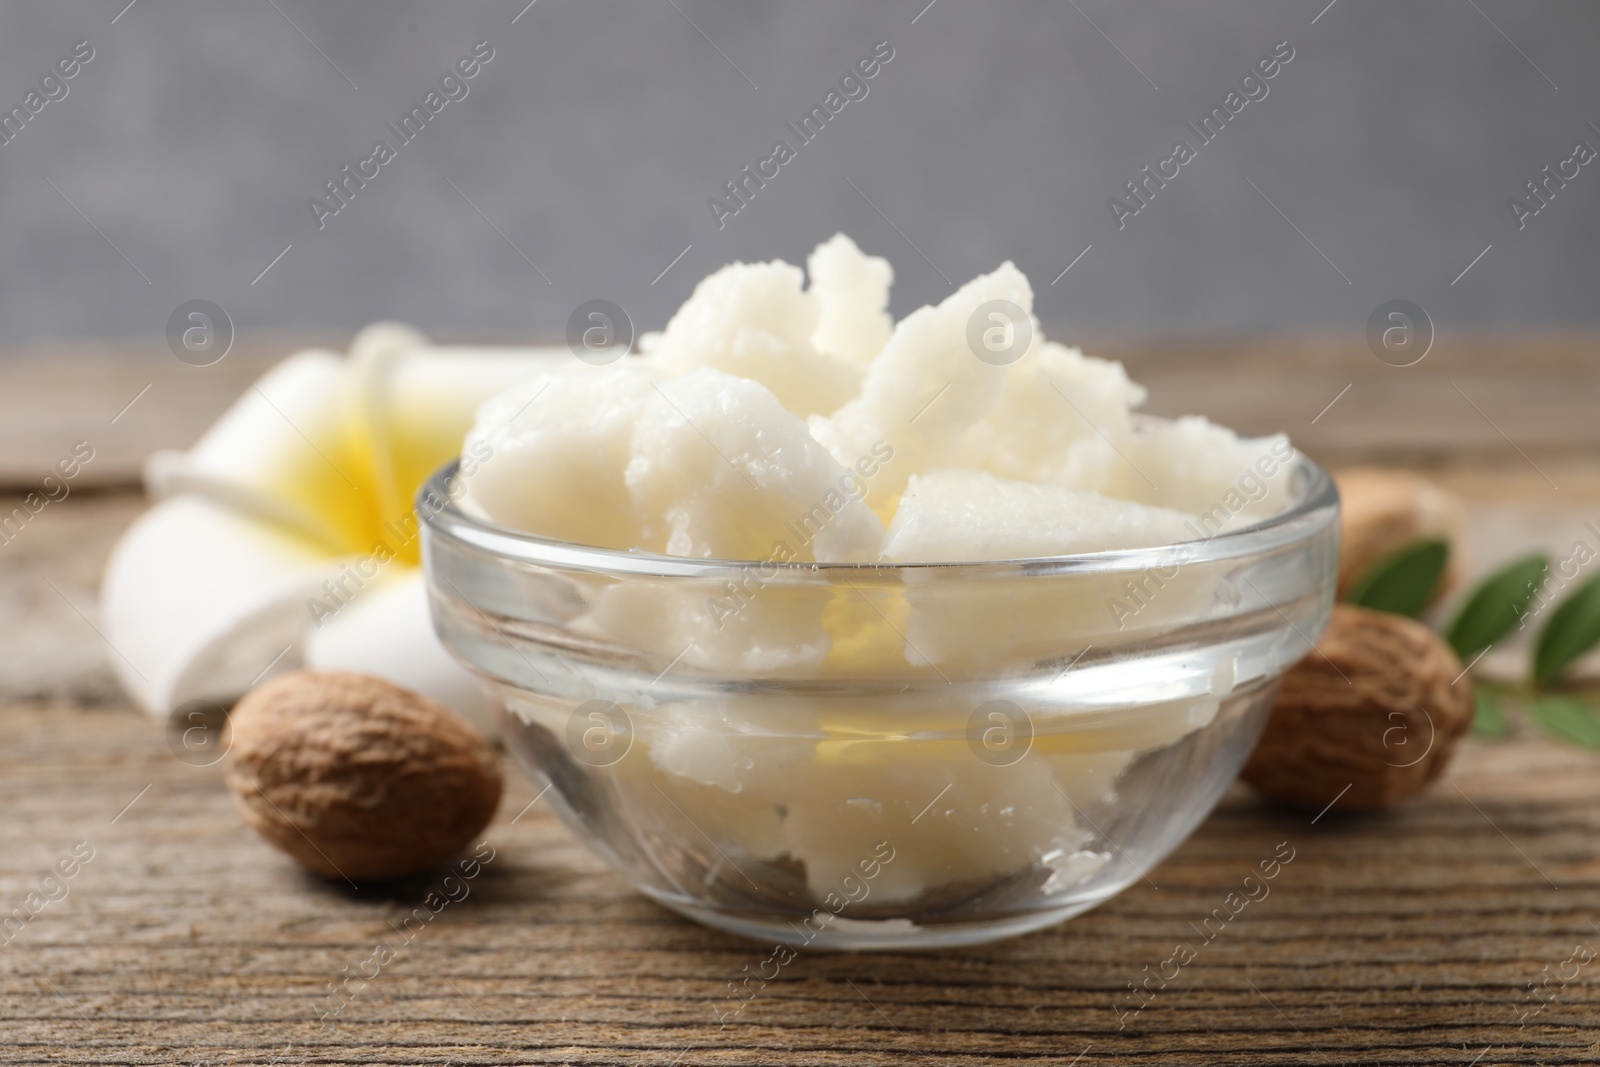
[594, 138]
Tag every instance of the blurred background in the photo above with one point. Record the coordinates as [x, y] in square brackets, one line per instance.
[1378, 166]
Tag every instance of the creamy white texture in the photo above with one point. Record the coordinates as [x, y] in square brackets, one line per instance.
[852, 291]
[762, 395]
[719, 468]
[968, 514]
[757, 321]
[777, 422]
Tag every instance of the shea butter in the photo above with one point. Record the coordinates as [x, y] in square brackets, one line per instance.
[848, 672]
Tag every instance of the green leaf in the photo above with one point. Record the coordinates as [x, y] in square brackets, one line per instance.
[1495, 607]
[1566, 718]
[1573, 629]
[1404, 581]
[1488, 721]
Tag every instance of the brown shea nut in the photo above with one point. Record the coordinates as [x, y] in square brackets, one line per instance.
[1383, 510]
[1372, 708]
[357, 778]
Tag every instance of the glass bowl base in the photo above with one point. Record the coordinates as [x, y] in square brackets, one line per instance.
[842, 934]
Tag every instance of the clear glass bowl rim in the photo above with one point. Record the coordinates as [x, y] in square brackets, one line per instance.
[1317, 507]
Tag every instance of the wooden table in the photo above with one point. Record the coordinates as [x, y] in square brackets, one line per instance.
[1434, 934]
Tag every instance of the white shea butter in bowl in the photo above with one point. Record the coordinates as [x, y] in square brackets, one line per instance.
[837, 631]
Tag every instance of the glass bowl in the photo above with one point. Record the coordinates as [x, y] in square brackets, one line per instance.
[870, 756]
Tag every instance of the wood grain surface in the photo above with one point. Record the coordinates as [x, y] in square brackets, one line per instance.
[1441, 933]
[1405, 938]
